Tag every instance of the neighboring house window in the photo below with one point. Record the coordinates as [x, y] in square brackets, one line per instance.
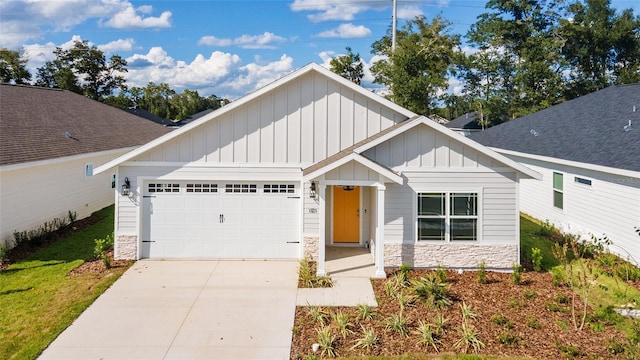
[88, 170]
[583, 181]
[558, 192]
[448, 216]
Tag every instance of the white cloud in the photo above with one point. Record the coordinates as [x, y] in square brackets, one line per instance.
[262, 41]
[346, 31]
[128, 18]
[409, 12]
[325, 10]
[29, 20]
[117, 45]
[254, 76]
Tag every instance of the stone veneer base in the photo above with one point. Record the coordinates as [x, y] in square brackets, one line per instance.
[310, 247]
[126, 247]
[496, 256]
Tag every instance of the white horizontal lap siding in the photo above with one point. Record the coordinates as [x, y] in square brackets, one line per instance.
[311, 213]
[34, 195]
[611, 205]
[302, 122]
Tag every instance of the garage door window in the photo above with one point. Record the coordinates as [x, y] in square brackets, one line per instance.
[241, 188]
[279, 189]
[167, 188]
[202, 188]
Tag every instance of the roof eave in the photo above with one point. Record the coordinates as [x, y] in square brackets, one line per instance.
[387, 173]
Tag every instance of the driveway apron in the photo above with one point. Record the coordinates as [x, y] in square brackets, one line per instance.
[188, 310]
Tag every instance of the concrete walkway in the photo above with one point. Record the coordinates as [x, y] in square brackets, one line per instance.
[188, 310]
[351, 269]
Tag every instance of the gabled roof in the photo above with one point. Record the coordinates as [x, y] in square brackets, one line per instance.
[588, 130]
[247, 98]
[39, 123]
[150, 116]
[465, 121]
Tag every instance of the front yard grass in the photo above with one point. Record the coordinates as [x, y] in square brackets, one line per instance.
[38, 299]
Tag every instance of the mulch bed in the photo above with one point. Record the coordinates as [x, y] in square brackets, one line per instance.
[97, 266]
[541, 323]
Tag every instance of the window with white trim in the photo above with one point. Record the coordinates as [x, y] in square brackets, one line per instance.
[448, 216]
[558, 190]
[163, 187]
[279, 189]
[88, 170]
[202, 188]
[241, 188]
[582, 181]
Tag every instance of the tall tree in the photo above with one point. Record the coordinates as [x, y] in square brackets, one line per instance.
[13, 67]
[601, 47]
[84, 69]
[348, 66]
[527, 32]
[416, 72]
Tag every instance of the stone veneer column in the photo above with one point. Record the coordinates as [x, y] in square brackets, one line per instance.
[126, 247]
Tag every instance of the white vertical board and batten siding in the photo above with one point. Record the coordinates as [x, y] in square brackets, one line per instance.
[432, 161]
[609, 206]
[301, 122]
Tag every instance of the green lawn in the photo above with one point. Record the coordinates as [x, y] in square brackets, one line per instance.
[37, 298]
[529, 238]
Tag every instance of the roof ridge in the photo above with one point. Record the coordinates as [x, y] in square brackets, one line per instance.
[27, 86]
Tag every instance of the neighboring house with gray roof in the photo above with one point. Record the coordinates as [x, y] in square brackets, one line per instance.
[50, 141]
[465, 124]
[588, 150]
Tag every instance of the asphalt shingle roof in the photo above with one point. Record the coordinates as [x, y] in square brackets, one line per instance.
[465, 121]
[589, 129]
[40, 123]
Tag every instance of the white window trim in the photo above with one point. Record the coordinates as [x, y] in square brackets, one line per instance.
[448, 192]
[554, 190]
[88, 170]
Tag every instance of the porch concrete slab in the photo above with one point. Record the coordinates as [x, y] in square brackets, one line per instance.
[345, 292]
[188, 309]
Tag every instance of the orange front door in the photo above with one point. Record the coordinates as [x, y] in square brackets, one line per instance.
[346, 215]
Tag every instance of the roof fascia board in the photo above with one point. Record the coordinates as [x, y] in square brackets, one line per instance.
[359, 159]
[458, 137]
[249, 97]
[54, 161]
[600, 168]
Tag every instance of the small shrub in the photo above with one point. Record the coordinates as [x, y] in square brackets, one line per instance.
[498, 319]
[365, 312]
[562, 299]
[533, 322]
[404, 275]
[509, 339]
[516, 275]
[391, 287]
[368, 340]
[441, 273]
[558, 276]
[397, 324]
[563, 324]
[536, 259]
[468, 339]
[432, 291]
[101, 250]
[467, 312]
[529, 294]
[439, 323]
[405, 300]
[551, 306]
[597, 326]
[482, 272]
[426, 336]
[317, 314]
[309, 278]
[342, 323]
[569, 351]
[516, 304]
[326, 340]
[4, 253]
[614, 347]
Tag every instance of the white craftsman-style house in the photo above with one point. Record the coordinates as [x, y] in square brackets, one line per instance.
[311, 161]
[588, 150]
[50, 142]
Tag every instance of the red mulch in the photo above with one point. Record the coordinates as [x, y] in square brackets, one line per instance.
[498, 296]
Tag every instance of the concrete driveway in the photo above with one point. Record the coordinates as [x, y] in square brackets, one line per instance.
[188, 310]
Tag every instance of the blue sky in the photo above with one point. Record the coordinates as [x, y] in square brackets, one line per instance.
[227, 48]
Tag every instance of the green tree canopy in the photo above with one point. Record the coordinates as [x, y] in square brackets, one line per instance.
[348, 66]
[13, 67]
[83, 69]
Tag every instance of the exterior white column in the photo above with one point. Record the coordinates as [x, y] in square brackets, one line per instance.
[379, 255]
[322, 236]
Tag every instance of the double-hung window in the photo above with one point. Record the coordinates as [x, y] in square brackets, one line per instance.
[558, 190]
[448, 216]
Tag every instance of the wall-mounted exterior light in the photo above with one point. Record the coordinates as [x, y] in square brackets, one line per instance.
[312, 190]
[126, 187]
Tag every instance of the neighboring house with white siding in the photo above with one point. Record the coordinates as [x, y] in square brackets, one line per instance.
[588, 150]
[50, 141]
[312, 160]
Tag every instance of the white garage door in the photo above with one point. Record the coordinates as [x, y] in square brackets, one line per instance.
[218, 220]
